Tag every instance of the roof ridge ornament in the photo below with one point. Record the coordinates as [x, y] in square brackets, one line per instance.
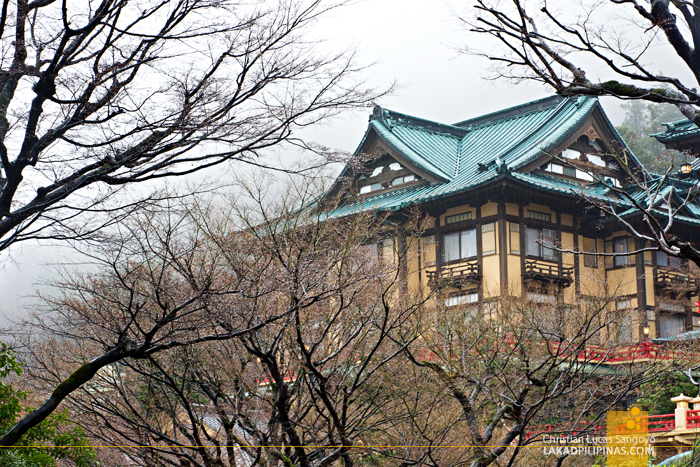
[501, 167]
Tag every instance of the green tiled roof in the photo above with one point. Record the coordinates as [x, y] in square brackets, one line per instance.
[473, 152]
[678, 130]
[681, 337]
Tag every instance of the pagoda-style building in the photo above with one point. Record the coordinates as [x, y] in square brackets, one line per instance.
[500, 189]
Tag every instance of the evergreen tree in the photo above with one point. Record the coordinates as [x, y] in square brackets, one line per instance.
[643, 119]
[44, 445]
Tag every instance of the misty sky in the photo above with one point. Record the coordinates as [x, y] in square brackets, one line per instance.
[413, 42]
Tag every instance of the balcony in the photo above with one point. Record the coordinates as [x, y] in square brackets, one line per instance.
[549, 273]
[666, 279]
[455, 275]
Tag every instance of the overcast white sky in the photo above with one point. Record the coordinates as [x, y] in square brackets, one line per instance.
[413, 42]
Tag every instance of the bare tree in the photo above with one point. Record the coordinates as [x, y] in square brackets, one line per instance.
[98, 96]
[564, 45]
[518, 371]
[277, 363]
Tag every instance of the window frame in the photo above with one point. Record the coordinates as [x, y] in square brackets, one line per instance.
[590, 261]
[541, 256]
[678, 262]
[462, 298]
[459, 234]
[624, 259]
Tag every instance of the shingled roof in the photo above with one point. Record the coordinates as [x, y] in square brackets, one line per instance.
[677, 131]
[462, 156]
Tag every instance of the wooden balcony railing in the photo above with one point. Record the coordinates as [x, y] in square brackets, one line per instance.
[455, 275]
[549, 273]
[676, 280]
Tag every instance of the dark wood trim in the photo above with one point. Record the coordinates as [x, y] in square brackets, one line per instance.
[577, 264]
[655, 309]
[560, 257]
[402, 251]
[541, 224]
[523, 250]
[641, 285]
[386, 147]
[438, 244]
[503, 247]
[457, 226]
[391, 188]
[419, 255]
[479, 256]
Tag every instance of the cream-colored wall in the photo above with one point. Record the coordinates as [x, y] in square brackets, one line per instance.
[489, 239]
[512, 209]
[389, 252]
[592, 280]
[489, 209]
[649, 283]
[567, 219]
[457, 210]
[540, 208]
[514, 275]
[491, 276]
[567, 243]
[622, 281]
[413, 264]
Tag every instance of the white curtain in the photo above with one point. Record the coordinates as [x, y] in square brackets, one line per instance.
[671, 325]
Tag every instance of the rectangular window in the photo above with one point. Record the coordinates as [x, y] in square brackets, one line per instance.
[533, 248]
[370, 188]
[590, 246]
[468, 243]
[555, 168]
[540, 216]
[450, 247]
[581, 175]
[514, 238]
[622, 246]
[462, 299]
[541, 243]
[459, 245]
[666, 306]
[549, 240]
[488, 239]
[370, 253]
[569, 171]
[541, 298]
[671, 325]
[429, 251]
[402, 180]
[465, 216]
[662, 259]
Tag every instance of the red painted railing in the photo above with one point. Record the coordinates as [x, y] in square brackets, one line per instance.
[655, 424]
[661, 423]
[625, 354]
[693, 418]
[581, 429]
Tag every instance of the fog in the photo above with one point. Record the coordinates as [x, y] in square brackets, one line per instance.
[406, 42]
